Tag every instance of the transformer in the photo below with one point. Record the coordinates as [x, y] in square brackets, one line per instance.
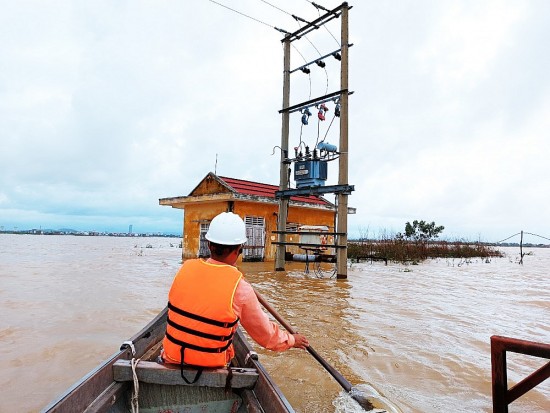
[310, 172]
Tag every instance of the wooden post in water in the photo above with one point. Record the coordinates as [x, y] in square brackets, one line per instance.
[521, 248]
[283, 178]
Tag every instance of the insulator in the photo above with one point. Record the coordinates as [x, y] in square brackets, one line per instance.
[337, 56]
[305, 116]
[337, 110]
[320, 63]
[305, 70]
[322, 110]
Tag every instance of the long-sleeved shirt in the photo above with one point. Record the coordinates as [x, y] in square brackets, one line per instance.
[256, 322]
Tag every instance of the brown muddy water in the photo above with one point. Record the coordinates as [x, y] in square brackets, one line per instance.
[416, 336]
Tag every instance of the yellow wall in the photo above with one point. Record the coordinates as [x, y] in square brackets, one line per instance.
[193, 215]
[196, 212]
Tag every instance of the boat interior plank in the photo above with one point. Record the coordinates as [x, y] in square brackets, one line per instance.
[155, 373]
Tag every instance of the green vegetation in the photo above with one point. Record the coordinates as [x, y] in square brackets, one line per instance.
[418, 243]
[421, 231]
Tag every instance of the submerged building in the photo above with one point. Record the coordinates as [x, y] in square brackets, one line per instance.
[256, 204]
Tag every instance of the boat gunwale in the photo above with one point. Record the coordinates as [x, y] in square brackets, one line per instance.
[100, 378]
[97, 391]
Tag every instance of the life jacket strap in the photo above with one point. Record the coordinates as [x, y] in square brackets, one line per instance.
[201, 318]
[183, 344]
[198, 333]
[199, 370]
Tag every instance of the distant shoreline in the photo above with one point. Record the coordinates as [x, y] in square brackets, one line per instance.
[90, 233]
[168, 235]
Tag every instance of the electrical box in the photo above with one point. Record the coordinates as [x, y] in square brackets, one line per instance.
[313, 234]
[312, 172]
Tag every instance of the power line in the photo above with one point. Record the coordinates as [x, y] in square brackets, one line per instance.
[311, 43]
[319, 8]
[540, 236]
[249, 17]
[329, 32]
[530, 233]
[506, 239]
[326, 73]
[309, 75]
[278, 8]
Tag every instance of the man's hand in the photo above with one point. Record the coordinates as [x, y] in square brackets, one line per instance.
[300, 341]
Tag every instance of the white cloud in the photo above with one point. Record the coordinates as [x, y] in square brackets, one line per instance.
[106, 107]
[467, 39]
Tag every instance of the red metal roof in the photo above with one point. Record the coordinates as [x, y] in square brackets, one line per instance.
[258, 189]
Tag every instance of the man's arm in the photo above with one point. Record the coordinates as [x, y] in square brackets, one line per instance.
[258, 325]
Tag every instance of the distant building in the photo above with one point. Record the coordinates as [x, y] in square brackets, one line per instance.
[130, 229]
[256, 204]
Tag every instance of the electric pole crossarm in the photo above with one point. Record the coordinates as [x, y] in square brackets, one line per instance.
[316, 101]
[316, 190]
[314, 25]
[320, 58]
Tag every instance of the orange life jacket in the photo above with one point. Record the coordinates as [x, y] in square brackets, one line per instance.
[201, 320]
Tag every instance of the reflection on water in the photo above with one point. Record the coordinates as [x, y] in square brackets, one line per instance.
[417, 336]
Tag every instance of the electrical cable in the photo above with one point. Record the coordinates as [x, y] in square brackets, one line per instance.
[506, 239]
[540, 236]
[249, 17]
[301, 141]
[317, 50]
[316, 143]
[525, 232]
[326, 88]
[278, 8]
[309, 74]
[326, 28]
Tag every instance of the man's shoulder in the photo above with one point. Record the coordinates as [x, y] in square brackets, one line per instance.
[244, 287]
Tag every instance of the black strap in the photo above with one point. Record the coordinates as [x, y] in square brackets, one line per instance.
[198, 348]
[197, 376]
[202, 319]
[199, 333]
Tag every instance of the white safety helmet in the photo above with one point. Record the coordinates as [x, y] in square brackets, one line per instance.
[227, 228]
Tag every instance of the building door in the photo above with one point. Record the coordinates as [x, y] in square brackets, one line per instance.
[254, 249]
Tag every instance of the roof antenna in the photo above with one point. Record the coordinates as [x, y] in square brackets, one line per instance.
[216, 166]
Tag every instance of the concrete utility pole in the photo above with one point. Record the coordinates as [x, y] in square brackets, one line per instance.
[342, 212]
[283, 179]
[343, 189]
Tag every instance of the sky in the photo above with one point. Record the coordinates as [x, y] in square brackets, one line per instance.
[108, 106]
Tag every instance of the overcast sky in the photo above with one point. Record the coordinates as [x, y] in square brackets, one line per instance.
[107, 106]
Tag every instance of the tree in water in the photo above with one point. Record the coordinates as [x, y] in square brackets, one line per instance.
[422, 231]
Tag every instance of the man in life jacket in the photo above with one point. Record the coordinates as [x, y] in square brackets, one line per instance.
[208, 299]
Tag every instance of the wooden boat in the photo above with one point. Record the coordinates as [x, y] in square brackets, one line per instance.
[161, 389]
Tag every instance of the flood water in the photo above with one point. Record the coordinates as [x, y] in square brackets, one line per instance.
[417, 337]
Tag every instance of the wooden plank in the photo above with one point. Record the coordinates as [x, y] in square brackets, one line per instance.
[104, 402]
[250, 401]
[154, 373]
